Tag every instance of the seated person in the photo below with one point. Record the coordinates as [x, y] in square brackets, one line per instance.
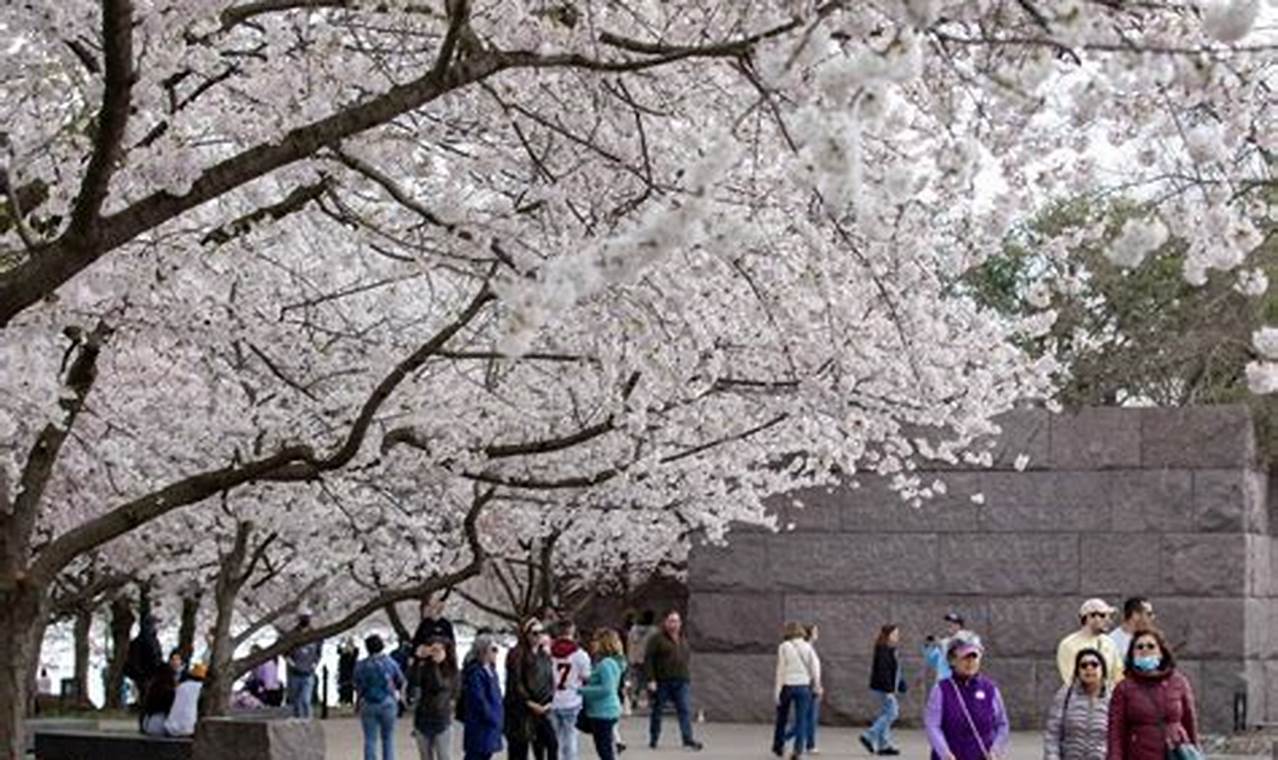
[185, 711]
[157, 700]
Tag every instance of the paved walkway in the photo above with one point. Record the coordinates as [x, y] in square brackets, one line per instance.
[723, 741]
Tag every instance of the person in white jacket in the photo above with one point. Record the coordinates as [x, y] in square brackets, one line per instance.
[798, 682]
[185, 711]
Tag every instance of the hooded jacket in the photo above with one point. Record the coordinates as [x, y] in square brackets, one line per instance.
[572, 669]
[1150, 712]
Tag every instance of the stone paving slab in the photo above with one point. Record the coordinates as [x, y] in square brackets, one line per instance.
[723, 741]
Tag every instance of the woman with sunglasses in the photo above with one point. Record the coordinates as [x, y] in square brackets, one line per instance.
[1152, 711]
[1078, 723]
[481, 708]
[965, 717]
[530, 690]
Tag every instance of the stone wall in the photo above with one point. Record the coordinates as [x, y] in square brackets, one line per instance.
[1168, 503]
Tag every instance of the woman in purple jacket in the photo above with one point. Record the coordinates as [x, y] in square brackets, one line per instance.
[965, 717]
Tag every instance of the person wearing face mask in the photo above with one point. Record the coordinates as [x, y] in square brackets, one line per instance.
[1078, 721]
[965, 718]
[1152, 715]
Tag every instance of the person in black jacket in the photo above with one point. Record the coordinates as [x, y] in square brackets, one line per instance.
[435, 685]
[886, 681]
[347, 656]
[530, 689]
[144, 658]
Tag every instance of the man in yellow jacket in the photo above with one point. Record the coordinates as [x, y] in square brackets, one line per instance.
[1093, 619]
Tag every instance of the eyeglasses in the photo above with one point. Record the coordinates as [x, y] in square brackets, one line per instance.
[1146, 646]
[1098, 614]
[1089, 665]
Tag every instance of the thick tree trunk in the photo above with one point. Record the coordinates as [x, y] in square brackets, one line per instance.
[186, 631]
[122, 620]
[81, 632]
[216, 694]
[22, 623]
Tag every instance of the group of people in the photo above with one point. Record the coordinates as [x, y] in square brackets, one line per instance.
[1121, 696]
[558, 685]
[169, 689]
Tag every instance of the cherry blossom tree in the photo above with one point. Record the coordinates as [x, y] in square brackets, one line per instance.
[651, 260]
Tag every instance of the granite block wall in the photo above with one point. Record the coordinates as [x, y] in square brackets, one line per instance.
[1168, 503]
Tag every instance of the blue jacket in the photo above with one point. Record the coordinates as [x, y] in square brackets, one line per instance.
[601, 691]
[934, 657]
[483, 711]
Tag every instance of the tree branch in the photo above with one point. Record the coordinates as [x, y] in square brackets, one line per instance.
[289, 464]
[482, 606]
[277, 613]
[62, 550]
[292, 203]
[117, 51]
[58, 262]
[44, 453]
[294, 639]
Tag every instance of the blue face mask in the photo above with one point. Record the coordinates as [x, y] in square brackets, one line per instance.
[1146, 663]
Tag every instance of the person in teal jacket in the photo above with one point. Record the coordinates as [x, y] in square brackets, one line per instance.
[601, 693]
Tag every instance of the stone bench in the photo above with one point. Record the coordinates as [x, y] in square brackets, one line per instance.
[65, 744]
[32, 726]
[259, 738]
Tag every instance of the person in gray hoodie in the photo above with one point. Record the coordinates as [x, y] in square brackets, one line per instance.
[1078, 721]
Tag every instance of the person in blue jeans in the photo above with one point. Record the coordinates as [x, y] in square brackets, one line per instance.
[378, 683]
[666, 668]
[798, 681]
[814, 712]
[886, 681]
[301, 663]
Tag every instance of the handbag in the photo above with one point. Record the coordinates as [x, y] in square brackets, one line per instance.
[584, 723]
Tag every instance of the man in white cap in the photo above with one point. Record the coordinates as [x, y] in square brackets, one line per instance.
[1093, 618]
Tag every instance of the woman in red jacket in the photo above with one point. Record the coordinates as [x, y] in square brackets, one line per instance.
[1152, 710]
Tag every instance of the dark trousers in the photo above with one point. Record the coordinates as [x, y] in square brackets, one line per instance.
[800, 698]
[680, 694]
[542, 742]
[603, 733]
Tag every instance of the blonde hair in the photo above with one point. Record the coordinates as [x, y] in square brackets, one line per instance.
[608, 643]
[794, 630]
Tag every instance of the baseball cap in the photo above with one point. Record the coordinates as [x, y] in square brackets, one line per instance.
[954, 617]
[962, 646]
[1095, 605]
